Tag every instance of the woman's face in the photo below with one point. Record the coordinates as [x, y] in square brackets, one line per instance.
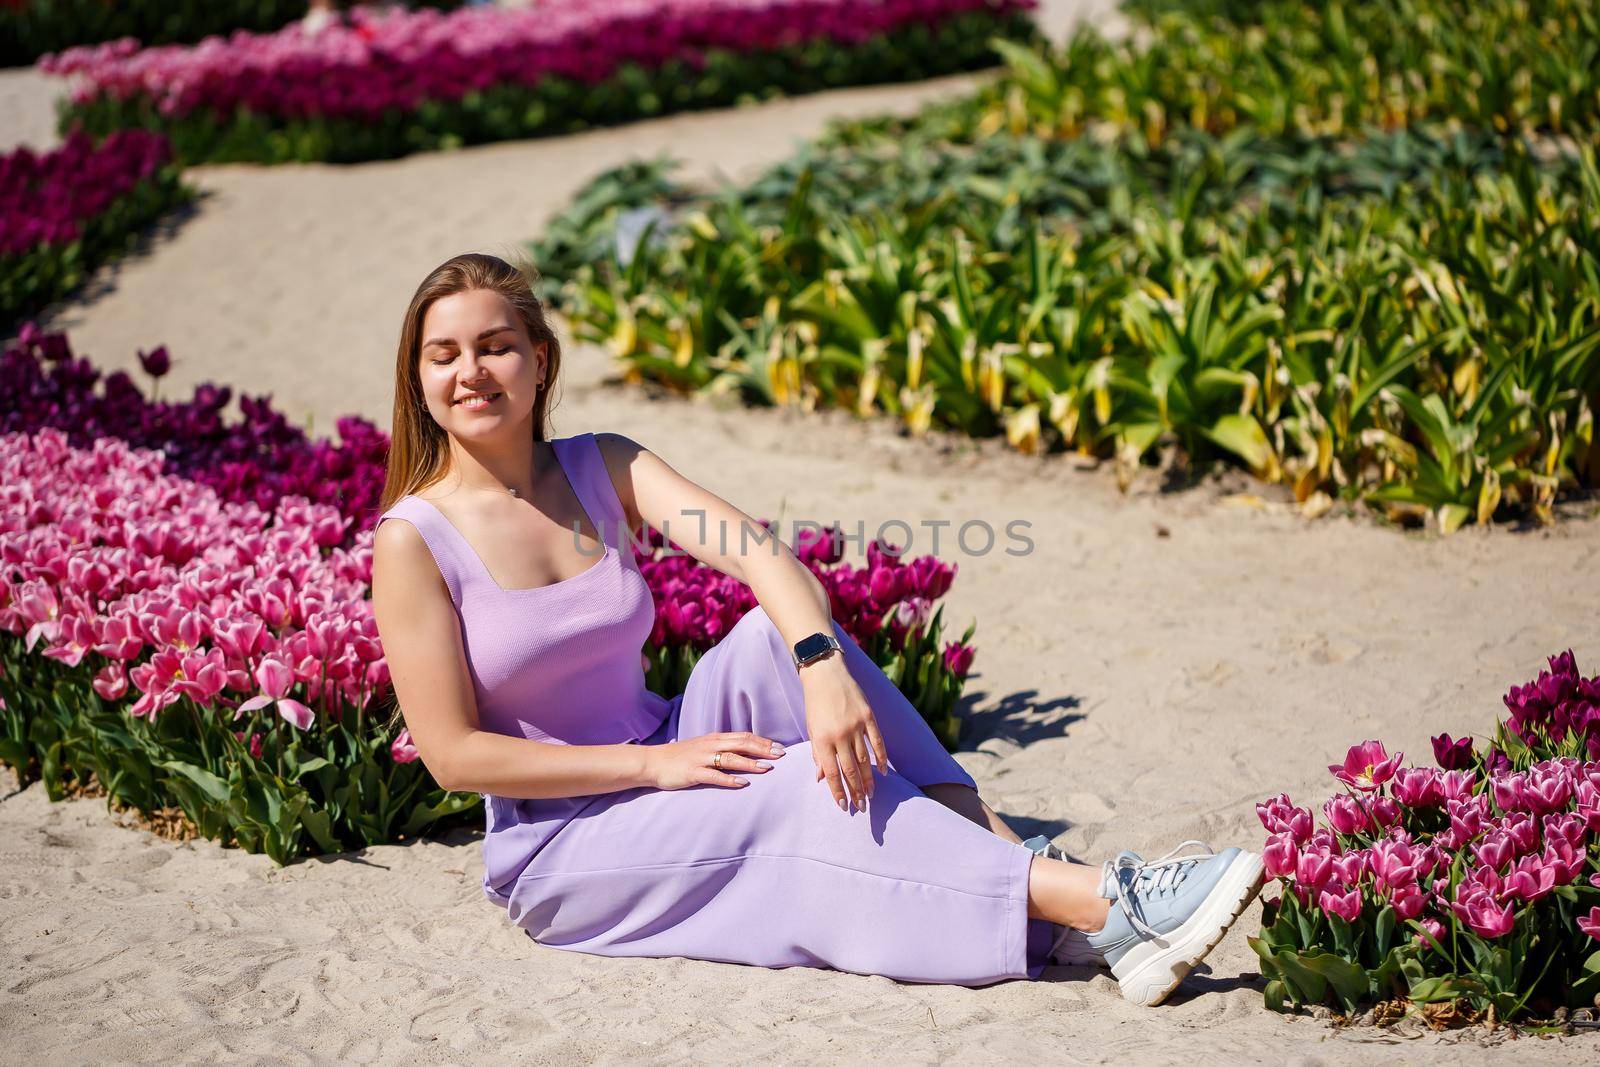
[480, 373]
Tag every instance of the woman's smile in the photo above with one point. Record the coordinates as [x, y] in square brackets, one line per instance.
[477, 401]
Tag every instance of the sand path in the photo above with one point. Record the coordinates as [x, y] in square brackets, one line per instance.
[1131, 688]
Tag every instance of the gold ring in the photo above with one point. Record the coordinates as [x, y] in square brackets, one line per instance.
[716, 761]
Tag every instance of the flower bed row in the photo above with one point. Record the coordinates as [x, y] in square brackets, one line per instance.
[384, 85]
[219, 657]
[32, 28]
[261, 459]
[1469, 890]
[1407, 319]
[66, 211]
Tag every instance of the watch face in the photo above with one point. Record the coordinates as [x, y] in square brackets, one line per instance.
[808, 647]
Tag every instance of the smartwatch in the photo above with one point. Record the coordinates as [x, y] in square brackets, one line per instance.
[812, 648]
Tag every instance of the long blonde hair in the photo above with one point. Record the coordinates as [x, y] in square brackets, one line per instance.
[418, 449]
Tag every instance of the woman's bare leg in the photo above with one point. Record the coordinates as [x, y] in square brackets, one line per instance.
[1066, 893]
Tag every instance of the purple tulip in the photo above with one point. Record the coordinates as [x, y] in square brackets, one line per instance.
[1452, 754]
[157, 362]
[47, 199]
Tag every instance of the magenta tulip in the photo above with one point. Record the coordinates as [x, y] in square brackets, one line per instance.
[1366, 766]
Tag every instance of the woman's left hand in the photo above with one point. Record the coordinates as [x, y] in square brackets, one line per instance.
[844, 734]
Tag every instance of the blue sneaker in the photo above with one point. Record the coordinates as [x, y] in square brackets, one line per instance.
[1072, 948]
[1167, 913]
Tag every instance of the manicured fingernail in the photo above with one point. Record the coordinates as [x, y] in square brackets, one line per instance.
[764, 765]
[842, 806]
[777, 749]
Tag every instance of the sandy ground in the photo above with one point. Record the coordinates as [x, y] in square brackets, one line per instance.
[1156, 664]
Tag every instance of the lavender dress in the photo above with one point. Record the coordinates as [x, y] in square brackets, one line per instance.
[772, 874]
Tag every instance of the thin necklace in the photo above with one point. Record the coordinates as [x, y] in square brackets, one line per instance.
[501, 488]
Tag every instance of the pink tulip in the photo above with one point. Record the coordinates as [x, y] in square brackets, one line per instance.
[403, 750]
[1418, 787]
[1590, 923]
[1349, 868]
[1530, 878]
[1467, 817]
[1457, 785]
[296, 714]
[1523, 830]
[1546, 789]
[1346, 814]
[1432, 933]
[1485, 918]
[1279, 855]
[274, 677]
[1366, 766]
[1564, 859]
[1314, 867]
[1385, 812]
[1346, 905]
[1408, 901]
[1496, 850]
[1566, 827]
[111, 681]
[1394, 864]
[1278, 815]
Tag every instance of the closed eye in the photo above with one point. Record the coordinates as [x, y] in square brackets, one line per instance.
[487, 352]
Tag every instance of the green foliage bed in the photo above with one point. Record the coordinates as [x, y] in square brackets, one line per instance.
[1323, 266]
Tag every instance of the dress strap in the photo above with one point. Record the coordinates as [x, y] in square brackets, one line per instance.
[581, 458]
[441, 538]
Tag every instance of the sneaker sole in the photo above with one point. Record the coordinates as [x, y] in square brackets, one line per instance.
[1075, 951]
[1155, 968]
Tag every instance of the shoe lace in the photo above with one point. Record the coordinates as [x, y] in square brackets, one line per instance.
[1150, 878]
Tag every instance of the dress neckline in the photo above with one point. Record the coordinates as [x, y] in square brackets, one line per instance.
[483, 568]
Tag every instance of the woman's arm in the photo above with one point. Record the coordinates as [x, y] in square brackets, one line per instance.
[421, 637]
[716, 533]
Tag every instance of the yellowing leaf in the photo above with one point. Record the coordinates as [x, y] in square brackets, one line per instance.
[1022, 429]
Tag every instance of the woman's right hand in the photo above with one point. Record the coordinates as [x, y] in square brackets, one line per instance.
[680, 764]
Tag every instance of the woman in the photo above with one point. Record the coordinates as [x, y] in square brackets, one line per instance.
[615, 820]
